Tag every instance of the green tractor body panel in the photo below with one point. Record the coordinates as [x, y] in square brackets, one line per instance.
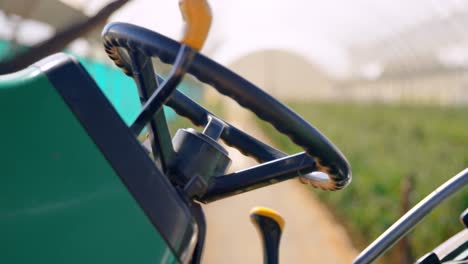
[61, 199]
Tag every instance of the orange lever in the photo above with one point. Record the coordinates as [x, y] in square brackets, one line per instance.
[197, 17]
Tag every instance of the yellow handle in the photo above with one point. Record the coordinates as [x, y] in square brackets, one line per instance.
[269, 213]
[197, 17]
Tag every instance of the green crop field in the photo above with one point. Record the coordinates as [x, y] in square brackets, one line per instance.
[385, 145]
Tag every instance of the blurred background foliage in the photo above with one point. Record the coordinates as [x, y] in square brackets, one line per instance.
[386, 145]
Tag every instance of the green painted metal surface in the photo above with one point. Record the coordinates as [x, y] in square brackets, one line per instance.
[119, 89]
[60, 201]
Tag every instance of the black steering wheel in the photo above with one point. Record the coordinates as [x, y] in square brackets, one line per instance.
[127, 44]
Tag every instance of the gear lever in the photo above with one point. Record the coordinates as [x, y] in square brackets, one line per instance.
[270, 225]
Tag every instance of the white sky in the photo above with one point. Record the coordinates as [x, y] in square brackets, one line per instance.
[319, 30]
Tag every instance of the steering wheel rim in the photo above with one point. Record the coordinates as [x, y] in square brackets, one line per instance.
[327, 156]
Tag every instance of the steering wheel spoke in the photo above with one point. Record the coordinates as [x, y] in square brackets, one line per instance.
[143, 73]
[231, 135]
[258, 176]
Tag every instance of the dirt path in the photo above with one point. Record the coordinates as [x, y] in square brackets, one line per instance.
[310, 235]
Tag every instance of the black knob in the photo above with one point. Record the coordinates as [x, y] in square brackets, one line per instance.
[269, 225]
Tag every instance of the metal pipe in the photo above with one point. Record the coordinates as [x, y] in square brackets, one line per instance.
[412, 218]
